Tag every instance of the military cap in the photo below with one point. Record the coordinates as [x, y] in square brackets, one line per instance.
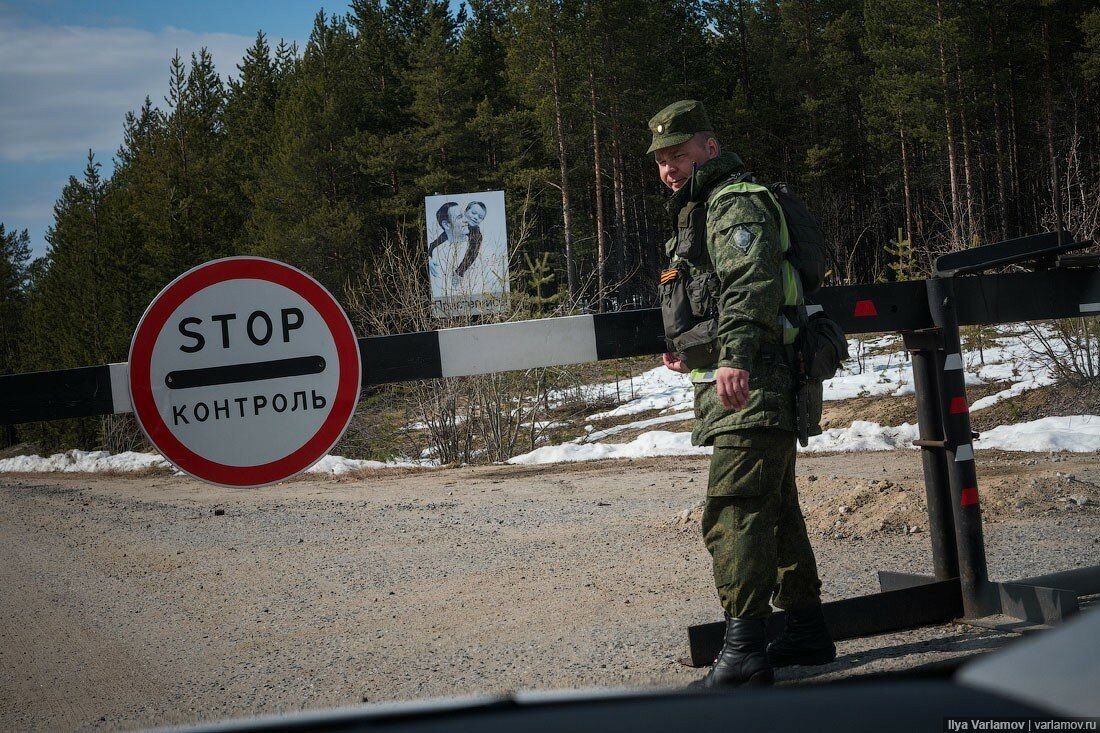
[677, 122]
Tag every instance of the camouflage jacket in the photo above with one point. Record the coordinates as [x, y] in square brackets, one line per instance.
[743, 248]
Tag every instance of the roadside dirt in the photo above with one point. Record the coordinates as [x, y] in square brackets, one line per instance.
[131, 601]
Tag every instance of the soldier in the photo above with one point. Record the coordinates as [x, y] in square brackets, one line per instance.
[728, 248]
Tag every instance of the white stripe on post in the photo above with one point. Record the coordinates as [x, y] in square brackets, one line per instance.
[120, 388]
[1090, 307]
[500, 347]
[953, 362]
[964, 453]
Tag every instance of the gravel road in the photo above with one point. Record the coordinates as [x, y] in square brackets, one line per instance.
[130, 602]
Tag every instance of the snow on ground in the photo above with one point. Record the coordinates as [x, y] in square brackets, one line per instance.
[1076, 434]
[79, 461]
[646, 445]
[1011, 359]
[878, 367]
[338, 465]
[862, 436]
[657, 389]
[594, 435]
[886, 372]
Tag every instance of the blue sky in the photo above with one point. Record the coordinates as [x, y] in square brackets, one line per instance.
[71, 70]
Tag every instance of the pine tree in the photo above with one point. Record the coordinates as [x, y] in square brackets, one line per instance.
[542, 295]
[539, 67]
[183, 201]
[308, 207]
[74, 298]
[248, 123]
[15, 255]
[904, 265]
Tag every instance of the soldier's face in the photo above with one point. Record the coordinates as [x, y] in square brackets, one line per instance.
[674, 164]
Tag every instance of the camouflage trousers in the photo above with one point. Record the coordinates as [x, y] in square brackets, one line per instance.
[753, 526]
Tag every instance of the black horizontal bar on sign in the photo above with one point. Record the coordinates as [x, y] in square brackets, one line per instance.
[250, 372]
[54, 395]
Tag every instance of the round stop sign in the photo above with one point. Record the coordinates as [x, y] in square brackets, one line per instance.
[244, 371]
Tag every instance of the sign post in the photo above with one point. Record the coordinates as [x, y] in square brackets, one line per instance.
[244, 372]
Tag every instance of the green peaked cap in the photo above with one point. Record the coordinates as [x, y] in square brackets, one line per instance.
[677, 122]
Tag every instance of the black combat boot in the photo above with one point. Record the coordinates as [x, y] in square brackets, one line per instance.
[744, 657]
[804, 640]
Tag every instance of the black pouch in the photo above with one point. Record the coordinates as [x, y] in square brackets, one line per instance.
[691, 331]
[809, 401]
[821, 348]
[698, 346]
[702, 293]
[691, 230]
[676, 310]
[824, 347]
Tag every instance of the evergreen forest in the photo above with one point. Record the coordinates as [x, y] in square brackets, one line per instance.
[910, 127]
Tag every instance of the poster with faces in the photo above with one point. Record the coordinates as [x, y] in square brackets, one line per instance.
[467, 252]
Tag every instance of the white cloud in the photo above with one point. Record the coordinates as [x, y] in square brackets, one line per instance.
[67, 89]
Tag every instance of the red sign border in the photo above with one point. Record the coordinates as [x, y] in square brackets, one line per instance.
[243, 268]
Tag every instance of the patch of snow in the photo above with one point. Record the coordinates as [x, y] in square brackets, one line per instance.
[658, 389]
[882, 374]
[78, 461]
[547, 424]
[338, 465]
[594, 435]
[1076, 434]
[862, 436]
[1032, 381]
[646, 445]
[1079, 434]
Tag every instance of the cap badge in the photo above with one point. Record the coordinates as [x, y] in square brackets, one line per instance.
[660, 128]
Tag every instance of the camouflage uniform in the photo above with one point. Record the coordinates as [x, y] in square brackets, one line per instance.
[752, 524]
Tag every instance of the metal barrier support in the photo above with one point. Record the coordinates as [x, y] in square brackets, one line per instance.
[978, 598]
[926, 353]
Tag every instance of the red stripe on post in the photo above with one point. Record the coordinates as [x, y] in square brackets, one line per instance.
[865, 309]
[968, 497]
[958, 406]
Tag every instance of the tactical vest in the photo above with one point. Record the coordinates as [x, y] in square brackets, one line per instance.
[689, 289]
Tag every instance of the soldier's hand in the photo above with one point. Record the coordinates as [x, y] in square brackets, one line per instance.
[733, 387]
[674, 362]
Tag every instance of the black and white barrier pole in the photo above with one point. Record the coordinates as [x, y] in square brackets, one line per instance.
[452, 352]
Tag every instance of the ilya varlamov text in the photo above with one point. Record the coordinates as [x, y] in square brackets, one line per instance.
[1029, 724]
